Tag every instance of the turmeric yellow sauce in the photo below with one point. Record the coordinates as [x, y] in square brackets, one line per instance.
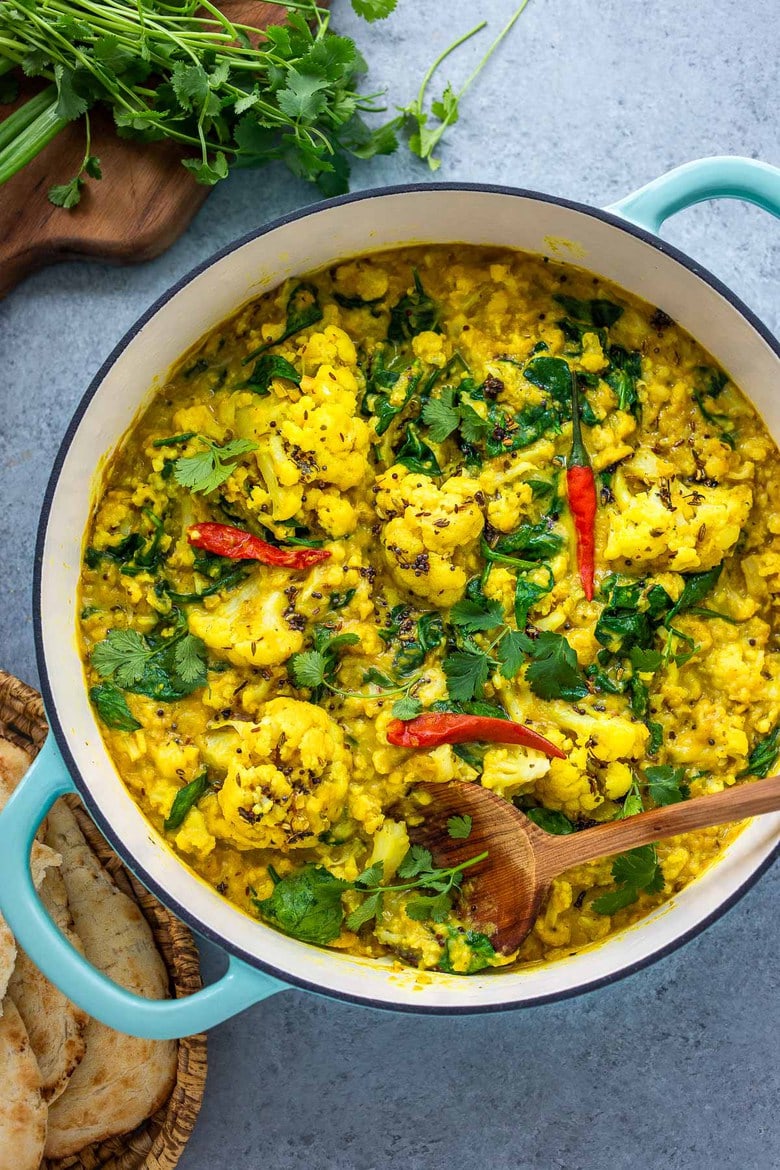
[410, 413]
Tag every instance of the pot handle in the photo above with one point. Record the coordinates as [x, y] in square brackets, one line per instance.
[724, 177]
[239, 988]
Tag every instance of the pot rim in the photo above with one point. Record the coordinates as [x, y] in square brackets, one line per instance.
[61, 737]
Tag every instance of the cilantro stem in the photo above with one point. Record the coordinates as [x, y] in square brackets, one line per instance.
[20, 119]
[443, 56]
[30, 142]
[439, 875]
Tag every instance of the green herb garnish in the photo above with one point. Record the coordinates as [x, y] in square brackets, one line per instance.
[185, 799]
[634, 871]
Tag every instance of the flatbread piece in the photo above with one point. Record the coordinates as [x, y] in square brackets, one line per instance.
[22, 1108]
[121, 1080]
[55, 1026]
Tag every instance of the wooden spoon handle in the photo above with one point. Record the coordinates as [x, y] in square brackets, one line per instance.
[557, 854]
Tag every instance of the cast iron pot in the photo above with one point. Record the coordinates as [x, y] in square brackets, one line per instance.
[619, 244]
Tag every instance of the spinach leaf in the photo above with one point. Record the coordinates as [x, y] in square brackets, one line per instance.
[382, 376]
[528, 425]
[764, 755]
[306, 904]
[303, 310]
[527, 593]
[414, 313]
[416, 455]
[536, 542]
[111, 706]
[550, 820]
[553, 375]
[709, 384]
[268, 367]
[355, 302]
[599, 313]
[697, 586]
[625, 370]
[341, 600]
[185, 799]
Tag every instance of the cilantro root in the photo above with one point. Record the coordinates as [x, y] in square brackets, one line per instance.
[188, 74]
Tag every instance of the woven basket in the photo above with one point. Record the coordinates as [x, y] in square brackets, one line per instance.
[159, 1142]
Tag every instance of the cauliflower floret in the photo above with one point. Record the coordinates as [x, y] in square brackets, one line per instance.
[428, 530]
[390, 846]
[194, 836]
[286, 777]
[506, 770]
[248, 627]
[674, 526]
[567, 787]
[607, 737]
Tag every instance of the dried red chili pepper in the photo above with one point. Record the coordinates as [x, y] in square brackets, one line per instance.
[432, 728]
[581, 486]
[227, 541]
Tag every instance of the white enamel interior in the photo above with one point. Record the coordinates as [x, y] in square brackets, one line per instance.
[309, 242]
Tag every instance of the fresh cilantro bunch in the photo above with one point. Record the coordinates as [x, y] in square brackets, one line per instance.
[188, 74]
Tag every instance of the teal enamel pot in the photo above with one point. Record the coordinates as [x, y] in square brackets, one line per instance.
[619, 243]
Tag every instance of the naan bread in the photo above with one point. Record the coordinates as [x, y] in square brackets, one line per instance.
[42, 859]
[14, 762]
[7, 958]
[22, 1108]
[55, 1026]
[121, 1080]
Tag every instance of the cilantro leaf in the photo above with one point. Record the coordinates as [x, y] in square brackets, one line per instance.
[436, 908]
[374, 9]
[206, 470]
[441, 416]
[554, 672]
[633, 803]
[666, 784]
[466, 672]
[306, 904]
[111, 706]
[406, 708]
[122, 654]
[459, 828]
[368, 909]
[189, 659]
[473, 427]
[418, 860]
[371, 876]
[302, 96]
[645, 661]
[308, 668]
[640, 868]
[185, 799]
[472, 616]
[70, 104]
[511, 652]
[66, 195]
[615, 900]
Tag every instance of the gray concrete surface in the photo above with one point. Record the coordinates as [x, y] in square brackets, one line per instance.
[677, 1065]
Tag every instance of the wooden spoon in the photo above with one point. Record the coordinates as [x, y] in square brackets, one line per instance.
[503, 894]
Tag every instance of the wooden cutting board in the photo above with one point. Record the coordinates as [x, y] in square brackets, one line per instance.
[142, 204]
